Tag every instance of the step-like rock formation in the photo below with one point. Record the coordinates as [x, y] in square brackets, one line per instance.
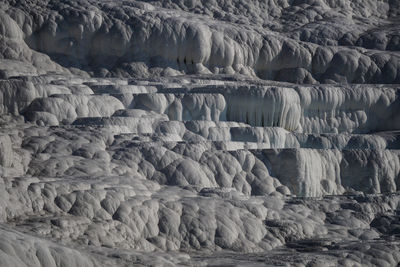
[199, 133]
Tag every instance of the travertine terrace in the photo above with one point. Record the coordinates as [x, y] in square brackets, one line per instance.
[199, 133]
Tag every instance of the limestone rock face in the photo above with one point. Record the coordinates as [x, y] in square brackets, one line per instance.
[199, 133]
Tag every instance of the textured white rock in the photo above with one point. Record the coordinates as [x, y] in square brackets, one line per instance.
[22, 250]
[312, 172]
[323, 109]
[177, 42]
[6, 154]
[199, 133]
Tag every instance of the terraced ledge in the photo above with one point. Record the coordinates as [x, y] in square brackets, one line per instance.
[199, 133]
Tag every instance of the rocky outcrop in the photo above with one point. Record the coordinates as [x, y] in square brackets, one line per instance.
[199, 133]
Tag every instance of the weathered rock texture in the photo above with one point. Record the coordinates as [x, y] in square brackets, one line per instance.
[199, 133]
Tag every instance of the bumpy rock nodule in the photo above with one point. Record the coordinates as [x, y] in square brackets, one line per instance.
[199, 133]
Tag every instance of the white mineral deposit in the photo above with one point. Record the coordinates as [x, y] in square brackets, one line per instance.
[199, 133]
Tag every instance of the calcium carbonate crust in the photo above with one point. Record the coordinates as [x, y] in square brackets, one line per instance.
[199, 133]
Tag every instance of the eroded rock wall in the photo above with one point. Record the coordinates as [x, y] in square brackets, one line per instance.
[199, 133]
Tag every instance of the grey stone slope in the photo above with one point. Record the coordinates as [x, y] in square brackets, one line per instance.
[116, 182]
[148, 40]
[199, 133]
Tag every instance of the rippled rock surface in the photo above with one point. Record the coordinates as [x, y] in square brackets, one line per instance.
[199, 133]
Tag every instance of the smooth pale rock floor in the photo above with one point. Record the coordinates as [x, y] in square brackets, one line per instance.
[199, 133]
